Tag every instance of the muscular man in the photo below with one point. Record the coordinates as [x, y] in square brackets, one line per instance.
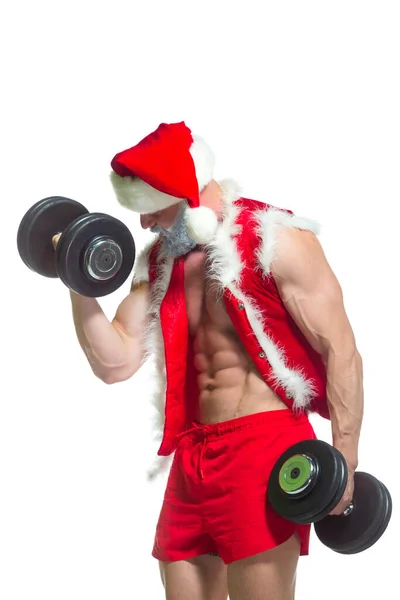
[246, 318]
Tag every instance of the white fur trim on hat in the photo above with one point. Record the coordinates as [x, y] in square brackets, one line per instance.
[201, 223]
[139, 196]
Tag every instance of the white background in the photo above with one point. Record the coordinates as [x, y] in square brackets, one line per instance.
[300, 101]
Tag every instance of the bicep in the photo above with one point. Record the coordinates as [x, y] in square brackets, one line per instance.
[132, 314]
[311, 292]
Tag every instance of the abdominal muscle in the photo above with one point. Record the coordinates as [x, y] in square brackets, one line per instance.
[229, 384]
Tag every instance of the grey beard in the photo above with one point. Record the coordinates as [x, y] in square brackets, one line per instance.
[176, 241]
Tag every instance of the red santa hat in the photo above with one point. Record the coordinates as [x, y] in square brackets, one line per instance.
[167, 166]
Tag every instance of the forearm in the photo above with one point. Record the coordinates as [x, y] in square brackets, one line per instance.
[345, 396]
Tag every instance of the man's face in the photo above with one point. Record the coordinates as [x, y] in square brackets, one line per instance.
[162, 218]
[170, 224]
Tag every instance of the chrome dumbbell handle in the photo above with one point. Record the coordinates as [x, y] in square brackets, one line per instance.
[348, 510]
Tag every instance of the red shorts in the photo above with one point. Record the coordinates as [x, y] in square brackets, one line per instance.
[216, 496]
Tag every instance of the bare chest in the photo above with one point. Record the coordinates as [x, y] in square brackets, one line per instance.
[202, 293]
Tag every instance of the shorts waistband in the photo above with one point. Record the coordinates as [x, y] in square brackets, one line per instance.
[272, 417]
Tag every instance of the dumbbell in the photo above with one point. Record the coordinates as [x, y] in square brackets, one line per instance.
[94, 254]
[308, 481]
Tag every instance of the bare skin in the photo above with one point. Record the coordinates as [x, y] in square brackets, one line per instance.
[230, 386]
[313, 296]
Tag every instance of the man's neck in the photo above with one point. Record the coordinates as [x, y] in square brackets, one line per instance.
[211, 197]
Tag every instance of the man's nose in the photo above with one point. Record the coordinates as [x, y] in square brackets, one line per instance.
[147, 221]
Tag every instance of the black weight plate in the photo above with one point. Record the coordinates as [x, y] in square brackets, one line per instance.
[367, 522]
[40, 223]
[74, 242]
[371, 536]
[337, 496]
[326, 492]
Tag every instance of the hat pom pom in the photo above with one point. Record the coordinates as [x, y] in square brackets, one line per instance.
[201, 223]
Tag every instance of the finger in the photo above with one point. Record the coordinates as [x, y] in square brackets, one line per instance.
[55, 239]
[342, 506]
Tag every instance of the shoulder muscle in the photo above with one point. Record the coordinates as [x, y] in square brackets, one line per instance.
[310, 290]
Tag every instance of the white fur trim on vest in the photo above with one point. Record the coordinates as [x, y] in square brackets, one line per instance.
[201, 224]
[154, 353]
[141, 266]
[226, 266]
[268, 224]
[139, 196]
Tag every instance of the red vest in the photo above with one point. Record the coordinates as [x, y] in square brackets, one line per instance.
[239, 257]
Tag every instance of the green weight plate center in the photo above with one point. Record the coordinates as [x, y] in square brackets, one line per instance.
[295, 473]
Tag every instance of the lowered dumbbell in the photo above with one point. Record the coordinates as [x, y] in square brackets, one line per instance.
[307, 483]
[94, 254]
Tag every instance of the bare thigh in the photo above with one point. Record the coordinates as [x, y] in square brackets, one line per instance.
[200, 578]
[266, 576]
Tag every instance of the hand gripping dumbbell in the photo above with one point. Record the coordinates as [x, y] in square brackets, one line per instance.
[94, 253]
[308, 481]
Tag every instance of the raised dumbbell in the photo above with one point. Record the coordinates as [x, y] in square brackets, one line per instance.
[308, 481]
[94, 254]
